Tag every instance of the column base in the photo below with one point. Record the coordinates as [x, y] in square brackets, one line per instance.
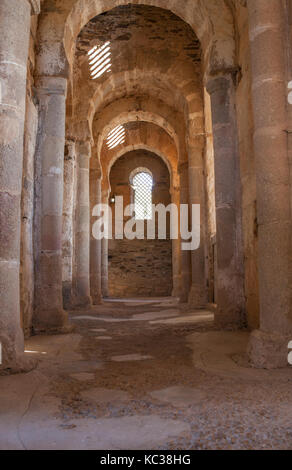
[96, 300]
[82, 302]
[52, 322]
[20, 364]
[268, 350]
[62, 330]
[183, 296]
[176, 286]
[229, 318]
[184, 287]
[175, 292]
[67, 295]
[197, 297]
[183, 299]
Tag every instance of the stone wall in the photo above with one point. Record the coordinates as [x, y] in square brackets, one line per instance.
[140, 268]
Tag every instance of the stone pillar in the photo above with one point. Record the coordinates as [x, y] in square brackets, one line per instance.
[27, 215]
[95, 245]
[185, 262]
[176, 250]
[81, 273]
[14, 42]
[230, 261]
[198, 291]
[268, 346]
[104, 255]
[49, 315]
[68, 209]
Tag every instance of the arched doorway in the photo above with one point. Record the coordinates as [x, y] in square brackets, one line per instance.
[140, 267]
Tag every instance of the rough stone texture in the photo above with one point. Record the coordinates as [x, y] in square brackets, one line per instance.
[268, 350]
[81, 265]
[27, 212]
[49, 313]
[14, 43]
[104, 395]
[128, 22]
[196, 148]
[230, 256]
[179, 396]
[197, 391]
[211, 273]
[185, 256]
[247, 170]
[269, 92]
[95, 245]
[68, 219]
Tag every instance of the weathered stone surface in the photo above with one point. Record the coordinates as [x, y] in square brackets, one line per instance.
[103, 395]
[180, 396]
[14, 42]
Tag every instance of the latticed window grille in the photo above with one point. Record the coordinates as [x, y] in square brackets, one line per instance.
[142, 185]
[116, 137]
[100, 60]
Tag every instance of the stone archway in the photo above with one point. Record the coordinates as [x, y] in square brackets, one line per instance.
[141, 267]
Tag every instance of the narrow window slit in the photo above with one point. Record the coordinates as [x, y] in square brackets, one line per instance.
[99, 60]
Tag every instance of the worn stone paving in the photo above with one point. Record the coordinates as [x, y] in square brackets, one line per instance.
[167, 385]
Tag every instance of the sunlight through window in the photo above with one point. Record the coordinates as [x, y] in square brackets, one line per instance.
[100, 60]
[116, 137]
[142, 185]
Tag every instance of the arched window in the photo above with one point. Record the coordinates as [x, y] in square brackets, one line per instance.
[142, 184]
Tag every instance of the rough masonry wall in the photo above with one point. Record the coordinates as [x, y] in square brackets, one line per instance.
[27, 203]
[140, 268]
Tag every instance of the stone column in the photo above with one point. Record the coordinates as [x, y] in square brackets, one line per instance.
[14, 42]
[176, 250]
[198, 291]
[104, 254]
[230, 261]
[27, 215]
[81, 272]
[68, 209]
[268, 346]
[185, 262]
[95, 245]
[49, 315]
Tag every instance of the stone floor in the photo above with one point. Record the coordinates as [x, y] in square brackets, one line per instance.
[145, 375]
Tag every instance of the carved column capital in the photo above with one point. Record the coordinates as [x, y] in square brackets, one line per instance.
[84, 148]
[95, 174]
[219, 82]
[35, 6]
[51, 86]
[70, 153]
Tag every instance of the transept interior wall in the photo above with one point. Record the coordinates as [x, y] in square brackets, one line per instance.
[140, 268]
